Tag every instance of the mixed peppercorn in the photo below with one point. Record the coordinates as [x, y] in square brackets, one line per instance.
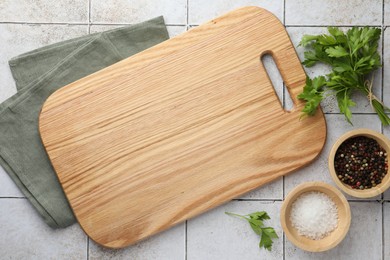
[361, 162]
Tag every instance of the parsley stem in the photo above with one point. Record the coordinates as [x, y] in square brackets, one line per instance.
[255, 220]
[234, 214]
[379, 109]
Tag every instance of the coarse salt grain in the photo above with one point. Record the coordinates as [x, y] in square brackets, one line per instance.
[314, 215]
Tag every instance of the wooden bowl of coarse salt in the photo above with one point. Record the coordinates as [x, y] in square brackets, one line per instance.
[315, 216]
[358, 163]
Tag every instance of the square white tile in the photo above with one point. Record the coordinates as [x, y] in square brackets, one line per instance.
[167, 245]
[47, 11]
[362, 242]
[318, 169]
[330, 12]
[19, 38]
[215, 235]
[201, 11]
[133, 11]
[24, 235]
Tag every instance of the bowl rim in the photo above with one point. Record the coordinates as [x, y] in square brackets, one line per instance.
[307, 187]
[367, 193]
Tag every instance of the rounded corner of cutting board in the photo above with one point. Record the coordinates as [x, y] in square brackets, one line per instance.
[106, 239]
[114, 244]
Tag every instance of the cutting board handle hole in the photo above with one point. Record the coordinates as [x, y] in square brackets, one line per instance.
[277, 82]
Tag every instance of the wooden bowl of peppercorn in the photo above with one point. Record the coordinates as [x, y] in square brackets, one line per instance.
[358, 163]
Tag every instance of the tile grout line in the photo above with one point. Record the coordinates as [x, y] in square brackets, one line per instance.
[87, 248]
[187, 10]
[185, 239]
[284, 245]
[46, 23]
[80, 23]
[89, 32]
[355, 113]
[249, 199]
[281, 200]
[382, 53]
[383, 230]
[264, 200]
[382, 73]
[284, 107]
[333, 25]
[11, 197]
[320, 26]
[283, 196]
[89, 16]
[174, 24]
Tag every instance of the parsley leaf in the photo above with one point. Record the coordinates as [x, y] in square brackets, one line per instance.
[255, 220]
[345, 102]
[312, 94]
[266, 238]
[306, 39]
[352, 56]
[261, 215]
[337, 51]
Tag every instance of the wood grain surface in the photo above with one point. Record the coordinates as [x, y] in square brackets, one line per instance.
[178, 129]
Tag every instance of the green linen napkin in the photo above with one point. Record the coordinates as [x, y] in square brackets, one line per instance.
[38, 74]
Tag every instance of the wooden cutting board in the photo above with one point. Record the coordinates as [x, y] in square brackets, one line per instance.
[178, 129]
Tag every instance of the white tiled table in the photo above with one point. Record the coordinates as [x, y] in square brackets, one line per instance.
[26, 25]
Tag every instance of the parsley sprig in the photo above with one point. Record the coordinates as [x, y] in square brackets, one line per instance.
[255, 220]
[352, 57]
